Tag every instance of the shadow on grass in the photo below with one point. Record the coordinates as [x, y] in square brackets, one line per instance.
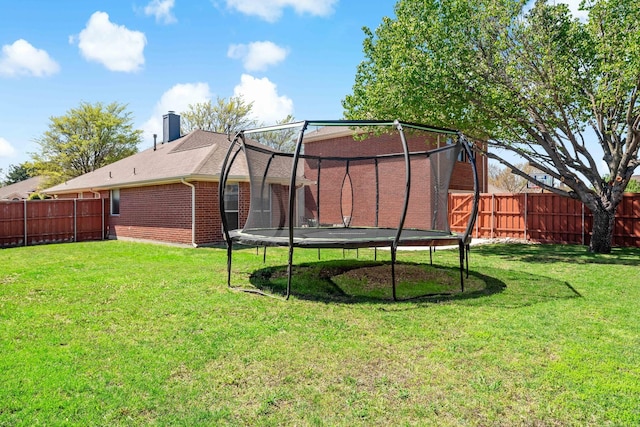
[333, 282]
[352, 282]
[574, 254]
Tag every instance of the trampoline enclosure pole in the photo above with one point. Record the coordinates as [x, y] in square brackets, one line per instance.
[393, 272]
[226, 167]
[292, 200]
[394, 244]
[461, 253]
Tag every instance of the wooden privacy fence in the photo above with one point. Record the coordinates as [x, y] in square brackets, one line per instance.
[547, 218]
[36, 222]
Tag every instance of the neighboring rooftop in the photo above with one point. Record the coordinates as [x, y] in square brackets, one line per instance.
[326, 132]
[23, 189]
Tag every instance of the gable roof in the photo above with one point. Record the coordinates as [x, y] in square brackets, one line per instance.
[196, 156]
[21, 190]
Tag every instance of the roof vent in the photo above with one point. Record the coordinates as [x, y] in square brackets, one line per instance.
[170, 127]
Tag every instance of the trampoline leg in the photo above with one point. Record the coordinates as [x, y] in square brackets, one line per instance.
[375, 253]
[229, 265]
[461, 250]
[289, 271]
[318, 254]
[264, 255]
[430, 255]
[467, 258]
[393, 273]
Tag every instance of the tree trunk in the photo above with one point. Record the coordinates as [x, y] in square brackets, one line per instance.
[602, 231]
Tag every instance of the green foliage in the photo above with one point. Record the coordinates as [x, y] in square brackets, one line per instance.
[282, 140]
[38, 196]
[538, 84]
[633, 186]
[225, 116]
[85, 139]
[17, 173]
[231, 116]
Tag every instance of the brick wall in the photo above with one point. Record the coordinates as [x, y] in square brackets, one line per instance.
[208, 223]
[163, 213]
[358, 200]
[159, 212]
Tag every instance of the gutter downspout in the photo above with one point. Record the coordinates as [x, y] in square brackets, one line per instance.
[102, 210]
[193, 211]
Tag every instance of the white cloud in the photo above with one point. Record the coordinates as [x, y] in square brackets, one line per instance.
[114, 46]
[6, 149]
[175, 99]
[161, 9]
[22, 58]
[258, 56]
[271, 10]
[268, 106]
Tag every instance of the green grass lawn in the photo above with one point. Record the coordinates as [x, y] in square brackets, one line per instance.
[117, 333]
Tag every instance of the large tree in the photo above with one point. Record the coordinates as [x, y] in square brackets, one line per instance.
[283, 139]
[232, 115]
[17, 173]
[85, 139]
[504, 179]
[560, 93]
[225, 116]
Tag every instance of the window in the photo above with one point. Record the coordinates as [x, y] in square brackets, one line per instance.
[115, 201]
[261, 208]
[231, 205]
[462, 155]
[261, 202]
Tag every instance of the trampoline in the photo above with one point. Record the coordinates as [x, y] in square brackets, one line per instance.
[349, 193]
[348, 238]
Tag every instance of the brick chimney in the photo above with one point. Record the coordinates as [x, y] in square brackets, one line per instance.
[170, 126]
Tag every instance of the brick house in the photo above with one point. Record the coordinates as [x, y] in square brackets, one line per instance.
[340, 142]
[168, 193]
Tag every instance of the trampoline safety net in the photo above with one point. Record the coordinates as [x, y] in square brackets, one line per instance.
[348, 184]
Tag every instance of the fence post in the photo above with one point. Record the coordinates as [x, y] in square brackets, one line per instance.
[75, 220]
[525, 216]
[25, 222]
[477, 221]
[582, 204]
[493, 209]
[102, 232]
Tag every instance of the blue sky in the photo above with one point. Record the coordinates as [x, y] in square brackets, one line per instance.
[287, 56]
